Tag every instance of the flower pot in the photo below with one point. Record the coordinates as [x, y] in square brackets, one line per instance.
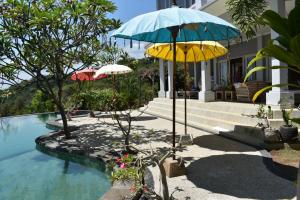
[271, 135]
[288, 132]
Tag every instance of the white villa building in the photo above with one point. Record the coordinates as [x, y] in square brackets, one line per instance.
[232, 67]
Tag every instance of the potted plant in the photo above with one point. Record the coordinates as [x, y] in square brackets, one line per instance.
[270, 134]
[288, 131]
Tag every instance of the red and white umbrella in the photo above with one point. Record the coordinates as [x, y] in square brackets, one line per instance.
[87, 75]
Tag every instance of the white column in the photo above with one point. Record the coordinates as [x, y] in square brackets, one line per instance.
[279, 97]
[259, 74]
[162, 91]
[170, 80]
[195, 74]
[206, 94]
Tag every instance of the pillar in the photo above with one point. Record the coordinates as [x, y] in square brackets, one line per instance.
[206, 95]
[279, 97]
[162, 91]
[170, 80]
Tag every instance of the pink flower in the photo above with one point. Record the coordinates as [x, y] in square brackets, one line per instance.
[123, 165]
[133, 189]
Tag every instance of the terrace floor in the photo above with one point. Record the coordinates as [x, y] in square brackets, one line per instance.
[217, 167]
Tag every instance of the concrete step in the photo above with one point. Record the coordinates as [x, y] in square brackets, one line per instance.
[201, 126]
[197, 119]
[231, 107]
[212, 113]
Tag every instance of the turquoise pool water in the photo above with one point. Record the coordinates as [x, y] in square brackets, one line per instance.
[28, 174]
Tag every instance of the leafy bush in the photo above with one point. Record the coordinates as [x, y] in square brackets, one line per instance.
[104, 100]
[41, 103]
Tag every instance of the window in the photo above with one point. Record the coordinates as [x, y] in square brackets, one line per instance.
[222, 73]
[247, 60]
[168, 4]
[268, 72]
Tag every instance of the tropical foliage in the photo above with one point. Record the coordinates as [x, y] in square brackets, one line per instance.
[245, 14]
[15, 100]
[285, 48]
[41, 103]
[47, 40]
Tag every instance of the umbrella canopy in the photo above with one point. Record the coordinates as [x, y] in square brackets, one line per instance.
[194, 25]
[113, 69]
[86, 75]
[195, 51]
[176, 25]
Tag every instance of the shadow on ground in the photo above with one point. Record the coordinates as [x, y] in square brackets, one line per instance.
[241, 176]
[144, 118]
[106, 135]
[219, 143]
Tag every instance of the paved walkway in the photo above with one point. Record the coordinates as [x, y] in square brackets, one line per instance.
[217, 168]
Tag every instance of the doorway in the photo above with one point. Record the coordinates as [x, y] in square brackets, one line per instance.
[236, 70]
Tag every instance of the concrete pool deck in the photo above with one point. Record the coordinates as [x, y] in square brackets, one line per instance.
[217, 167]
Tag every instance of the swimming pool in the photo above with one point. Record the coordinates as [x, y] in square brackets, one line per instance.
[28, 174]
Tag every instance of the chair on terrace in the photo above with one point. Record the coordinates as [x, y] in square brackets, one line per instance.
[246, 91]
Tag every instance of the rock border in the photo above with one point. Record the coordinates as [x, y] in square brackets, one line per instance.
[55, 142]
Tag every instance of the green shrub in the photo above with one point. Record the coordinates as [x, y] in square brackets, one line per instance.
[40, 103]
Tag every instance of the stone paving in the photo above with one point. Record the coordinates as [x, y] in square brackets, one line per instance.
[217, 167]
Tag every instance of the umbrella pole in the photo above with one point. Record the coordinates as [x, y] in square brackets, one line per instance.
[114, 84]
[114, 89]
[185, 83]
[174, 35]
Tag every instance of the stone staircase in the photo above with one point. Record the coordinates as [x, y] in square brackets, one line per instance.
[211, 116]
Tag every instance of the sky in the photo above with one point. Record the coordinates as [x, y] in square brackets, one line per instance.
[127, 9]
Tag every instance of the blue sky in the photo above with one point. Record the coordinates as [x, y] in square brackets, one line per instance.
[127, 9]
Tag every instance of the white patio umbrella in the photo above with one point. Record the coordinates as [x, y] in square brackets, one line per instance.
[112, 69]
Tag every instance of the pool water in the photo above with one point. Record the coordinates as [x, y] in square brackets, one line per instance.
[28, 174]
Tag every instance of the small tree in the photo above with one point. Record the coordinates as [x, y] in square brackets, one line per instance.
[49, 39]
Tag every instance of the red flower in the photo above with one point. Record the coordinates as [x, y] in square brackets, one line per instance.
[126, 155]
[145, 188]
[118, 160]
